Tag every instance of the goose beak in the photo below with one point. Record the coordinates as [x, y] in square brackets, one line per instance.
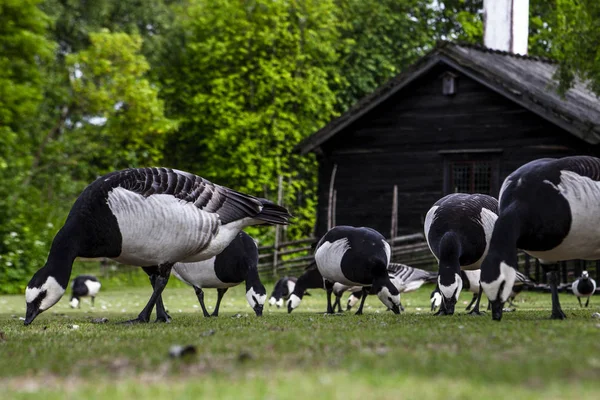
[497, 306]
[32, 312]
[290, 309]
[396, 309]
[258, 309]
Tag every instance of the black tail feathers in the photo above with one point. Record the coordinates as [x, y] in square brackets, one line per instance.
[272, 213]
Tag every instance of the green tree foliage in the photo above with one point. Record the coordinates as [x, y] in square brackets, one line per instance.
[24, 51]
[118, 120]
[248, 80]
[577, 39]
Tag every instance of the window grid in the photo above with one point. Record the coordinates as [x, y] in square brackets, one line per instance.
[471, 177]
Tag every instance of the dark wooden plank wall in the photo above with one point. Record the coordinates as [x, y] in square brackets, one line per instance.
[399, 142]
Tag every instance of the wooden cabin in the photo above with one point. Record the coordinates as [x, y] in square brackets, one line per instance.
[460, 119]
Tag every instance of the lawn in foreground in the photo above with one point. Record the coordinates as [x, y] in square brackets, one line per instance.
[280, 356]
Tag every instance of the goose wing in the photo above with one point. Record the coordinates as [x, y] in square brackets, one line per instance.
[207, 196]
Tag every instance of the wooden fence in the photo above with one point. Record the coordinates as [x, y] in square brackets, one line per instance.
[291, 258]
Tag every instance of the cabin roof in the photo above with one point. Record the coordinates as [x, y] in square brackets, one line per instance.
[526, 80]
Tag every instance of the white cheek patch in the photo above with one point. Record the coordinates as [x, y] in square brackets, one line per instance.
[507, 275]
[272, 301]
[449, 291]
[436, 300]
[294, 301]
[74, 303]
[53, 293]
[251, 295]
[31, 294]
[279, 303]
[385, 295]
[352, 300]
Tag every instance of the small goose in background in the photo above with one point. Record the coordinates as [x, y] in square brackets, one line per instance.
[357, 257]
[282, 290]
[84, 285]
[146, 217]
[521, 282]
[237, 263]
[458, 228]
[584, 287]
[549, 208]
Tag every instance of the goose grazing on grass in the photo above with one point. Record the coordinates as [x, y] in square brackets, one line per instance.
[584, 287]
[84, 285]
[237, 263]
[470, 280]
[282, 290]
[405, 278]
[550, 208]
[146, 217]
[458, 229]
[357, 257]
[312, 279]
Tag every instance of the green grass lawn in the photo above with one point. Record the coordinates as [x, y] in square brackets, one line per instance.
[302, 355]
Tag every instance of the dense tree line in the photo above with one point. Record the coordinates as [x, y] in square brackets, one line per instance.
[223, 89]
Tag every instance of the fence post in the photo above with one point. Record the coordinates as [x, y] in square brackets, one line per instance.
[527, 264]
[330, 203]
[277, 229]
[394, 224]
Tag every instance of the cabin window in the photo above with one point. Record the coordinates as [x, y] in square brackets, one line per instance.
[471, 177]
[472, 171]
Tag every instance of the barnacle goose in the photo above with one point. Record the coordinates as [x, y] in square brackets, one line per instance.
[405, 278]
[357, 257]
[584, 287]
[146, 217]
[237, 263]
[312, 279]
[84, 285]
[550, 208]
[458, 228]
[282, 290]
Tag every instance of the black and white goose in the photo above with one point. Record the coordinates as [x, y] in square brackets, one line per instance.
[584, 287]
[357, 257]
[282, 290]
[234, 265]
[146, 217]
[84, 285]
[312, 279]
[458, 229]
[550, 208]
[405, 278]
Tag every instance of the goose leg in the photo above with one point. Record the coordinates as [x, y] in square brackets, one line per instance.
[161, 312]
[161, 280]
[220, 294]
[472, 301]
[557, 312]
[362, 301]
[200, 296]
[579, 300]
[587, 303]
[92, 301]
[329, 288]
[336, 303]
[475, 310]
